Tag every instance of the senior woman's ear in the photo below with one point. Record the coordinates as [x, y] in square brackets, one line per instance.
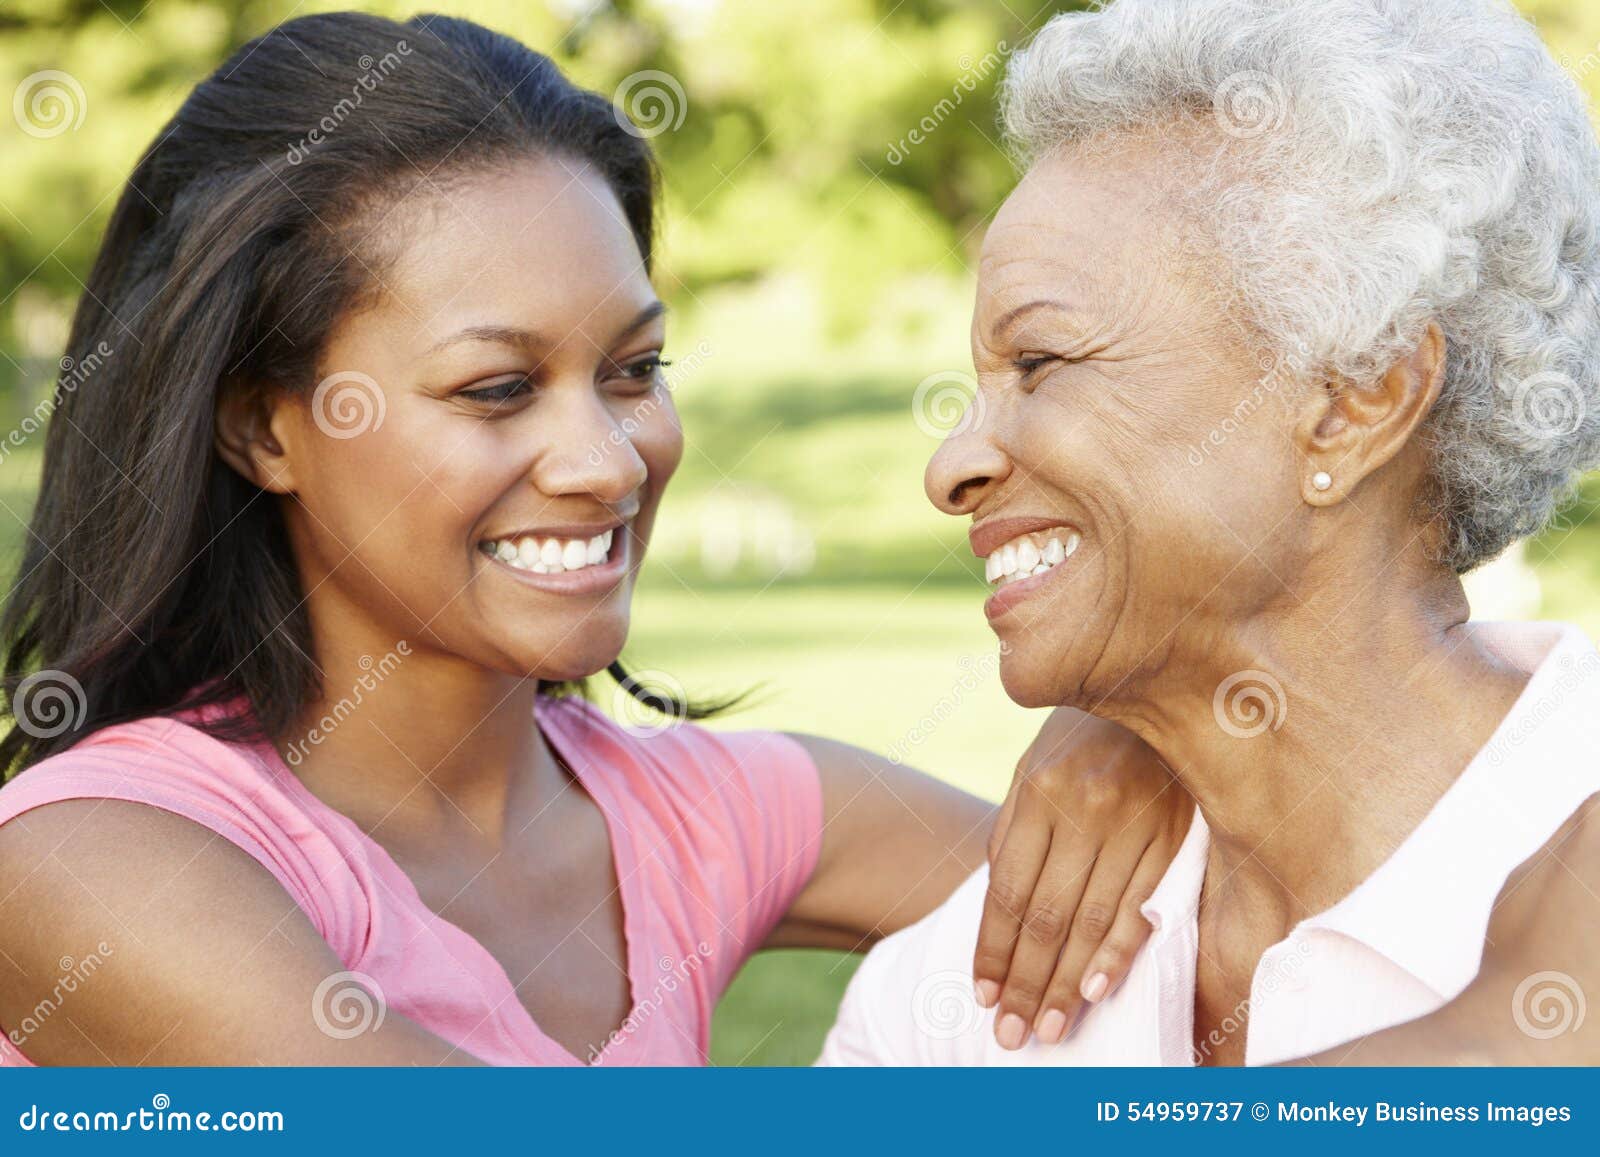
[1347, 432]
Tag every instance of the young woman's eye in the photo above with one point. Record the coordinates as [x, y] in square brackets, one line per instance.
[643, 369]
[498, 392]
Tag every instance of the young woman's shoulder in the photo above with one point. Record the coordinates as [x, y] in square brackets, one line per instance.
[127, 786]
[689, 768]
[159, 909]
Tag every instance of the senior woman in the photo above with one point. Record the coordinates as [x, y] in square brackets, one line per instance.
[1294, 319]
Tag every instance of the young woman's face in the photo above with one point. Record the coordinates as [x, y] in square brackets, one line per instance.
[480, 467]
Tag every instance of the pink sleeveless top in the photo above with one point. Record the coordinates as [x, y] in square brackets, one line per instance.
[714, 835]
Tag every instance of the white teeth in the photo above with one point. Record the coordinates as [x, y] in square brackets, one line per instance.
[1026, 556]
[550, 555]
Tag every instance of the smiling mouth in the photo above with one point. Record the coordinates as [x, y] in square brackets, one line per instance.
[1028, 555]
[543, 554]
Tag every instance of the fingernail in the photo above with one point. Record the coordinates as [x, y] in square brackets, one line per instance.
[987, 992]
[1012, 1031]
[1052, 1026]
[1094, 987]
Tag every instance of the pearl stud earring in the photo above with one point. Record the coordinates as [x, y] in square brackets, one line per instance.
[1322, 480]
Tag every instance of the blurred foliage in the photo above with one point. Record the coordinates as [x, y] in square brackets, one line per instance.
[780, 165]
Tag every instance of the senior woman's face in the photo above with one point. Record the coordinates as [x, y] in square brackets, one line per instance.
[1102, 366]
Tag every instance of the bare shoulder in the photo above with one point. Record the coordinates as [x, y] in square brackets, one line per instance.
[130, 935]
[1541, 968]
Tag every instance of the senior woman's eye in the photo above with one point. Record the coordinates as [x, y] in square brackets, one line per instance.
[1027, 364]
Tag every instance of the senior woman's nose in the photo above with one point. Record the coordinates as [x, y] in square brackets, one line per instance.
[967, 466]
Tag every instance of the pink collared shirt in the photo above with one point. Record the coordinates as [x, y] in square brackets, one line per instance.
[713, 834]
[1407, 941]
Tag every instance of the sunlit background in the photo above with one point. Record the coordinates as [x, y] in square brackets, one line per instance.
[830, 166]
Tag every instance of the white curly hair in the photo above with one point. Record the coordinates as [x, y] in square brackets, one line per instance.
[1389, 162]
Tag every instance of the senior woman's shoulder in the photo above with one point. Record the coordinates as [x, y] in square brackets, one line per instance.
[1541, 968]
[911, 1001]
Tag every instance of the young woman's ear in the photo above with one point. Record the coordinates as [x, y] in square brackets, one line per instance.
[246, 437]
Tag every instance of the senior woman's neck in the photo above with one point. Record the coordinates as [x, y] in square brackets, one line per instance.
[1308, 732]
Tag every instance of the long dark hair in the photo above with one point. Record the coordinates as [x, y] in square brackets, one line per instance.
[156, 578]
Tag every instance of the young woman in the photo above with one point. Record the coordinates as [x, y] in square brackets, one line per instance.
[357, 488]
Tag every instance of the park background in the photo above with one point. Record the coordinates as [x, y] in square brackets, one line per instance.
[829, 169]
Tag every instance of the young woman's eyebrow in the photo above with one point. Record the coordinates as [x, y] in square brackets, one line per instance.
[644, 317]
[530, 339]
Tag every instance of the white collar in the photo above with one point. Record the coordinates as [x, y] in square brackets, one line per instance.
[1427, 907]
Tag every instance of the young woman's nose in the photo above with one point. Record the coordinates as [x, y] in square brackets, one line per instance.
[966, 466]
[588, 451]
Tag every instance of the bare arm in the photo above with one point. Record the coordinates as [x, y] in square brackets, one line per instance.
[199, 957]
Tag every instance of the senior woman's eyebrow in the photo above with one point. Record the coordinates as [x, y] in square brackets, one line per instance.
[1012, 317]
